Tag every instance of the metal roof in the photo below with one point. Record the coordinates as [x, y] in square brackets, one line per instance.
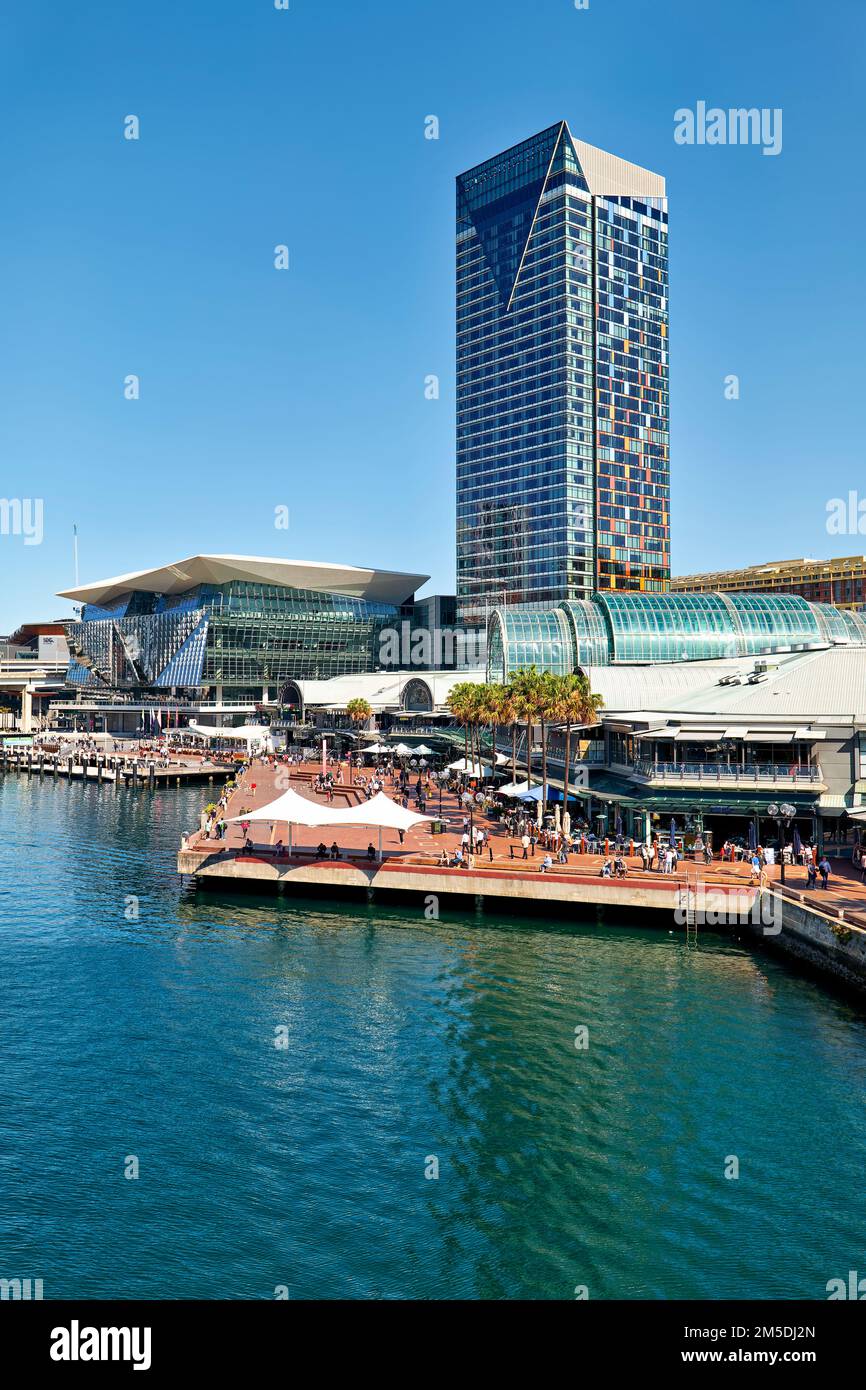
[812, 685]
[382, 689]
[800, 688]
[378, 586]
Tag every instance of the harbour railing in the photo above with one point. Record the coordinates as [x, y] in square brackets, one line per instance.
[731, 775]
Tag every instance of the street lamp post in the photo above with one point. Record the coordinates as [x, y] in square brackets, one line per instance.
[782, 815]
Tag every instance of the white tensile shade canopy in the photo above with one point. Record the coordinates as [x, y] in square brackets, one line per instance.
[473, 769]
[374, 748]
[248, 733]
[403, 750]
[380, 812]
[423, 751]
[513, 789]
[292, 808]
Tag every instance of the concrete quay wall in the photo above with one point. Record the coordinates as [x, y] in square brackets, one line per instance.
[823, 940]
[565, 895]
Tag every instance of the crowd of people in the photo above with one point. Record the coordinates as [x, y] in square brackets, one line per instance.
[488, 826]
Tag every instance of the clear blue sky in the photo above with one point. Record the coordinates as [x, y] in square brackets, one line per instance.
[305, 388]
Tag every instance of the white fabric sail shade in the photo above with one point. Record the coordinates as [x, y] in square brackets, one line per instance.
[513, 789]
[248, 733]
[472, 768]
[290, 807]
[380, 811]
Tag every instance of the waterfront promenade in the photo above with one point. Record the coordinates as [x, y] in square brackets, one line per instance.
[500, 871]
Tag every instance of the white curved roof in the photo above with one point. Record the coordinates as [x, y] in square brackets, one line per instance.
[382, 689]
[379, 586]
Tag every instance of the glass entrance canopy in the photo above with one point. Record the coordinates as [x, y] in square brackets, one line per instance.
[621, 627]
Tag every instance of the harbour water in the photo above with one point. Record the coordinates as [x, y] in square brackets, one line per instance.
[141, 1021]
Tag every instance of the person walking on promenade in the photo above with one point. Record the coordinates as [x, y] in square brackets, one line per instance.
[811, 874]
[824, 870]
[525, 841]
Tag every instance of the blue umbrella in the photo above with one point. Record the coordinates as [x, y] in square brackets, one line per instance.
[618, 824]
[753, 837]
[673, 831]
[797, 843]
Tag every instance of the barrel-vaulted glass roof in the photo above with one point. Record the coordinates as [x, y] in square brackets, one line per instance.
[614, 627]
[530, 637]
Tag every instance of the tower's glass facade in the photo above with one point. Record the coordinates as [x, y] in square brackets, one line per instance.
[562, 399]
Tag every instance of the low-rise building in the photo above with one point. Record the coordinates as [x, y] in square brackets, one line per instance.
[841, 582]
[715, 745]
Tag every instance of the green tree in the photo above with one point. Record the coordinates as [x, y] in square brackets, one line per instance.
[460, 702]
[574, 704]
[359, 711]
[529, 696]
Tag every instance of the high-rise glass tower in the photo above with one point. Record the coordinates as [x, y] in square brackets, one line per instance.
[562, 376]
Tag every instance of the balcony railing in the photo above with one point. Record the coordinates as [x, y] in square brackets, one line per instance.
[729, 775]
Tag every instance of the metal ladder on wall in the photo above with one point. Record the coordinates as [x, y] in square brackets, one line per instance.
[688, 900]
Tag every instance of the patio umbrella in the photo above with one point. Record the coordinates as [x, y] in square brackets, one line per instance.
[797, 843]
[673, 831]
[618, 825]
[753, 837]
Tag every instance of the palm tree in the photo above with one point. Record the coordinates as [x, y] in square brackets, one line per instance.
[508, 717]
[546, 713]
[480, 703]
[528, 687]
[490, 705]
[575, 703]
[460, 703]
[359, 711]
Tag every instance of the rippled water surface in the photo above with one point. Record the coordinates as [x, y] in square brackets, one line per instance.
[407, 1040]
